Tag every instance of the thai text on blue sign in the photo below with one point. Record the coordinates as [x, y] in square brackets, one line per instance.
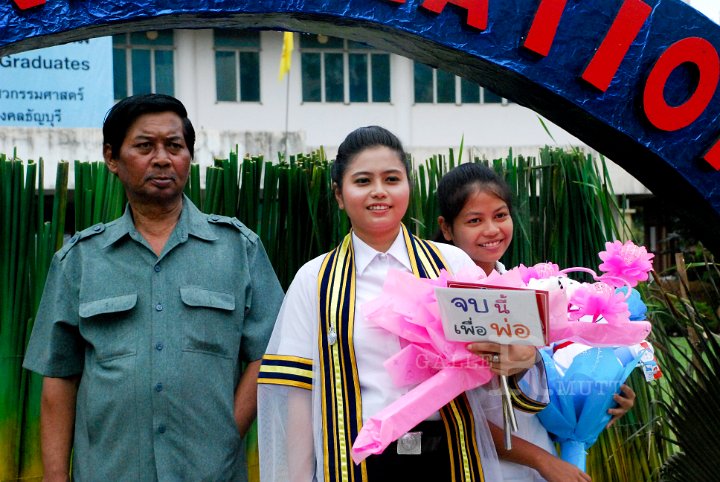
[64, 86]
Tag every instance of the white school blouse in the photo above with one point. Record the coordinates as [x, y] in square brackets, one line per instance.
[373, 344]
[283, 433]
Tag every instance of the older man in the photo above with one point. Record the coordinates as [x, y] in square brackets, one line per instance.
[145, 322]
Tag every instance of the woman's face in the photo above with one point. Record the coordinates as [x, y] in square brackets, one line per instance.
[375, 194]
[483, 229]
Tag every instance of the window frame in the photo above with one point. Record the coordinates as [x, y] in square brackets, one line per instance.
[128, 46]
[237, 50]
[346, 51]
[458, 91]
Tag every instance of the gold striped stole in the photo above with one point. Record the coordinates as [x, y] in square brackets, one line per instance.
[339, 381]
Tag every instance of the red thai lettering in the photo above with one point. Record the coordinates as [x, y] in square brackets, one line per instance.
[614, 47]
[477, 10]
[692, 50]
[544, 27]
[521, 331]
[26, 4]
[500, 330]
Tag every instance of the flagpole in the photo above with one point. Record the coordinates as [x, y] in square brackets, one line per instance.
[285, 61]
[287, 114]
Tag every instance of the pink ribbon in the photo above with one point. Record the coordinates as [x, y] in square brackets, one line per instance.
[441, 369]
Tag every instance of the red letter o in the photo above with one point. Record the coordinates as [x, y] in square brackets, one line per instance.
[693, 50]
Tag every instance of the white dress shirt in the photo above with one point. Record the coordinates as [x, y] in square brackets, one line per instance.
[373, 345]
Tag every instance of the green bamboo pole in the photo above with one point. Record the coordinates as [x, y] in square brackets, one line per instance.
[192, 188]
[8, 362]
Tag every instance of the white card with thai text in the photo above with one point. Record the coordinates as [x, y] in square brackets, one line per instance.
[505, 316]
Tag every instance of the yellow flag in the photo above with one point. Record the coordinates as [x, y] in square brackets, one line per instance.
[286, 54]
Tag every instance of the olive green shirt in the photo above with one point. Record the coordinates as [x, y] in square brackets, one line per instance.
[158, 342]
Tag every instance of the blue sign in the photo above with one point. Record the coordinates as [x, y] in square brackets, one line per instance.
[64, 86]
[635, 79]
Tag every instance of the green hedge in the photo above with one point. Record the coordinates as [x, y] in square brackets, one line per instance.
[565, 209]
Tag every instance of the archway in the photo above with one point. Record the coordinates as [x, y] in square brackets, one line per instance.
[634, 79]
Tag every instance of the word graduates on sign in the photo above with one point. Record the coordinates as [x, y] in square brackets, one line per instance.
[606, 59]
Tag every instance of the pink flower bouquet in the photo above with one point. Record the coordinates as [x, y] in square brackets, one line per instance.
[594, 314]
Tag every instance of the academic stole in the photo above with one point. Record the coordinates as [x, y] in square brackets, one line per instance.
[341, 400]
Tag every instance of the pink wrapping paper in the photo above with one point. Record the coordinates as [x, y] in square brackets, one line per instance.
[614, 331]
[428, 397]
[443, 369]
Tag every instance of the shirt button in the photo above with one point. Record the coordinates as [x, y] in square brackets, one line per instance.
[161, 429]
[159, 307]
[157, 268]
[158, 387]
[159, 346]
[97, 228]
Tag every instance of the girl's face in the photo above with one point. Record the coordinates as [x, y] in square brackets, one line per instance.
[483, 229]
[375, 194]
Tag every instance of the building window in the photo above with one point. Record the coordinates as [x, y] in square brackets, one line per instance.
[143, 63]
[433, 86]
[237, 65]
[339, 70]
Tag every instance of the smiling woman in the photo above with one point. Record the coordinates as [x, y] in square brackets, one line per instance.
[374, 191]
[475, 208]
[323, 374]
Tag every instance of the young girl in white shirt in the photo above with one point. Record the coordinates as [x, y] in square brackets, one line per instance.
[323, 373]
[476, 216]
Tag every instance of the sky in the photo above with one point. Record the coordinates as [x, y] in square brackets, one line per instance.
[710, 8]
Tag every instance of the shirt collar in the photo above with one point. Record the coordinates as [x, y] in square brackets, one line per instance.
[116, 230]
[191, 222]
[364, 254]
[194, 222]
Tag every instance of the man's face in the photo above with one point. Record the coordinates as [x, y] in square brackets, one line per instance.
[154, 160]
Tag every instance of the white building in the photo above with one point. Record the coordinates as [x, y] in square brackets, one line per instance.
[229, 82]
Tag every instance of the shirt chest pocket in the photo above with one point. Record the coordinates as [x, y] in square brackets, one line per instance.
[107, 326]
[213, 324]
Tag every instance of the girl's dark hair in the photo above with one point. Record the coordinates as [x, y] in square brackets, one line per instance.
[361, 139]
[123, 114]
[460, 183]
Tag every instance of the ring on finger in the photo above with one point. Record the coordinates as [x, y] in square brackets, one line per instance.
[496, 358]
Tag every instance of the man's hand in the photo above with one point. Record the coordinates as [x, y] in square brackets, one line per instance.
[57, 421]
[246, 397]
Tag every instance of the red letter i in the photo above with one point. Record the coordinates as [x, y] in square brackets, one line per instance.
[544, 26]
[614, 47]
